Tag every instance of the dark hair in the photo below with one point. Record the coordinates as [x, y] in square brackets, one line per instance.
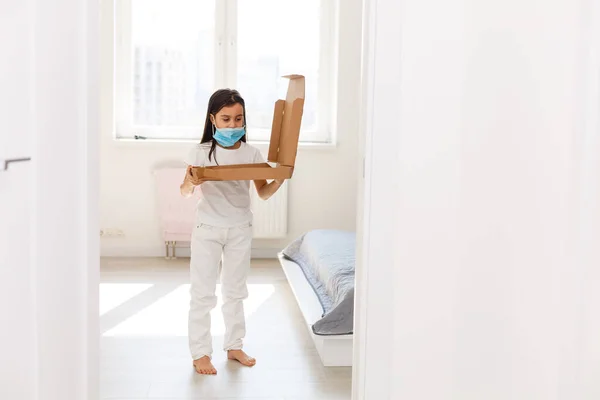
[221, 98]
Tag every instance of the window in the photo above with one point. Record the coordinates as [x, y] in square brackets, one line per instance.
[171, 55]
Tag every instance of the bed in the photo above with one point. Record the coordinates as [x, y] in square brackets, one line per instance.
[320, 267]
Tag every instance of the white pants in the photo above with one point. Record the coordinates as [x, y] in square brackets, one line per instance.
[211, 245]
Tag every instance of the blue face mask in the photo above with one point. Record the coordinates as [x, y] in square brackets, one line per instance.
[227, 137]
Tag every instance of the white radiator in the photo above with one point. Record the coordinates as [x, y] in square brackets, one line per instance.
[271, 216]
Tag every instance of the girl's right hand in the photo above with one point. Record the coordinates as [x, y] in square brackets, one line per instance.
[192, 179]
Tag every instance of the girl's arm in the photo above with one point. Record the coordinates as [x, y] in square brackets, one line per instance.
[266, 190]
[189, 183]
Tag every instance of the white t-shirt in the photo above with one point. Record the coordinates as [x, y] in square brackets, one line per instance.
[225, 204]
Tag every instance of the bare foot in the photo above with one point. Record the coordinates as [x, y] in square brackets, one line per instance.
[243, 358]
[204, 366]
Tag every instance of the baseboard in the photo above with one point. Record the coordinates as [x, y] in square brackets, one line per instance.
[265, 253]
[183, 251]
[135, 251]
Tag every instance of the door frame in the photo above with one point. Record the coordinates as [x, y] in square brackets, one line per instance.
[65, 233]
[373, 332]
[373, 337]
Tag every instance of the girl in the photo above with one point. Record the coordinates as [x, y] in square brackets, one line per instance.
[223, 231]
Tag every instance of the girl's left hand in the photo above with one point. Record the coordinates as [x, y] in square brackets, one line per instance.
[280, 181]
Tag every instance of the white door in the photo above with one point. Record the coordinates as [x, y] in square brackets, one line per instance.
[17, 328]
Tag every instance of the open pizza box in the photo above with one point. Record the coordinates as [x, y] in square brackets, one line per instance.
[285, 132]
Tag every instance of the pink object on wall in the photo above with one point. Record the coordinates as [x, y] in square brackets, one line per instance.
[177, 214]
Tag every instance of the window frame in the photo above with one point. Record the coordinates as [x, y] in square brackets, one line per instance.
[225, 75]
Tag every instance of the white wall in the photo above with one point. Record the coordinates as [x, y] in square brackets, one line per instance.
[127, 198]
[493, 270]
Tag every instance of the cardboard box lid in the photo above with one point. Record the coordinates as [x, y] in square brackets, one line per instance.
[243, 172]
[287, 121]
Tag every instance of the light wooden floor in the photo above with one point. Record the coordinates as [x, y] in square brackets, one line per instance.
[144, 351]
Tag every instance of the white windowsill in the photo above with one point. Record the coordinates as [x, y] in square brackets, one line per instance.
[155, 143]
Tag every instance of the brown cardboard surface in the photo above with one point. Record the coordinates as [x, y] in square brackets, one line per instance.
[283, 146]
[243, 172]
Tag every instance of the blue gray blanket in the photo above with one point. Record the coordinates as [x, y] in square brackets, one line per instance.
[327, 258]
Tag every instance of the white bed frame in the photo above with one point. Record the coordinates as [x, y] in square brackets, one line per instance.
[335, 351]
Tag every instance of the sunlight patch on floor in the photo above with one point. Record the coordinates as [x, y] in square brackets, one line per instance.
[168, 315]
[113, 295]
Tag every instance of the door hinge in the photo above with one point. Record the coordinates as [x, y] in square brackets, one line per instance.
[363, 167]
